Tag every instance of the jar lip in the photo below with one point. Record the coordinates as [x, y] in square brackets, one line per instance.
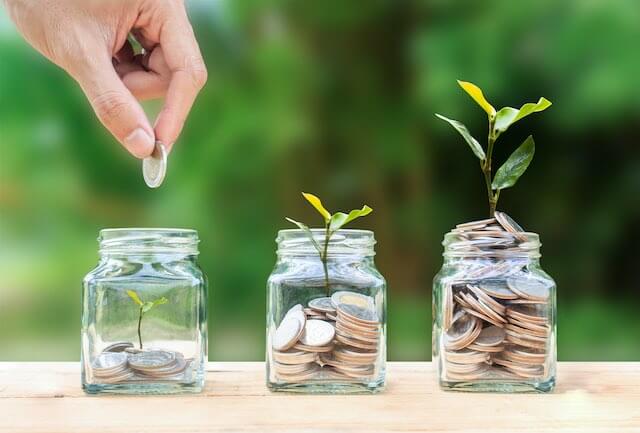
[145, 240]
[342, 242]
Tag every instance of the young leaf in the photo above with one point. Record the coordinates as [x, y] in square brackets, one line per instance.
[507, 116]
[475, 92]
[133, 295]
[473, 143]
[160, 301]
[147, 306]
[307, 231]
[515, 166]
[316, 203]
[340, 219]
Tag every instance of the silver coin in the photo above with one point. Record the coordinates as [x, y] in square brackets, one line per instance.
[322, 304]
[317, 333]
[118, 347]
[287, 333]
[151, 359]
[109, 361]
[358, 313]
[154, 167]
[352, 298]
[529, 288]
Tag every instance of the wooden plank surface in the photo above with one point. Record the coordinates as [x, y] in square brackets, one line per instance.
[590, 397]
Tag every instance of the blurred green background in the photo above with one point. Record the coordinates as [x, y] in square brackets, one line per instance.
[337, 98]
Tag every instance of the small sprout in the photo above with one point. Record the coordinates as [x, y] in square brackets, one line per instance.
[144, 307]
[499, 122]
[332, 223]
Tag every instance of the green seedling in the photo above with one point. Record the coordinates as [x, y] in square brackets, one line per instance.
[144, 307]
[499, 121]
[332, 223]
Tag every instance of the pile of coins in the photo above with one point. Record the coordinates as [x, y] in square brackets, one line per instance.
[495, 314]
[121, 362]
[334, 337]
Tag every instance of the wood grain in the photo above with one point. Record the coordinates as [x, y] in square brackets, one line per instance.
[590, 397]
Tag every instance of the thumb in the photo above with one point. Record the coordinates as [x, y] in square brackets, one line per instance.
[117, 108]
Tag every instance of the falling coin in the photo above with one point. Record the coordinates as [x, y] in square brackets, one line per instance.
[154, 167]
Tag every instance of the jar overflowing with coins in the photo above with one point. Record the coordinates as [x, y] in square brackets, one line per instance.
[144, 314]
[326, 319]
[494, 325]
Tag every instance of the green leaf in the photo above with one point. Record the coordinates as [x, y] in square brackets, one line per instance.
[340, 219]
[147, 306]
[160, 301]
[507, 116]
[307, 231]
[515, 166]
[316, 203]
[473, 143]
[133, 295]
[476, 93]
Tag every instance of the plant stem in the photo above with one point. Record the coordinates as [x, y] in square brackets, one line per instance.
[323, 257]
[486, 171]
[139, 333]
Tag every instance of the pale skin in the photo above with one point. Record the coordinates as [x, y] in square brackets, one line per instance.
[88, 39]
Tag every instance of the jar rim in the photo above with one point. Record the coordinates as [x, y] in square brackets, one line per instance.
[342, 243]
[146, 240]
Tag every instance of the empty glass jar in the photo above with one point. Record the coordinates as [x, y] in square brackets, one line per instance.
[144, 314]
[494, 307]
[326, 328]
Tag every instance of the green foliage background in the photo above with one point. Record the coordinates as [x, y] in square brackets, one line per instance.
[337, 98]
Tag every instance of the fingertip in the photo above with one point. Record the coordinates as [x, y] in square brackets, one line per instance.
[139, 143]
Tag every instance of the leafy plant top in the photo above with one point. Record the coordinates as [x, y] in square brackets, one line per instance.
[499, 121]
[332, 223]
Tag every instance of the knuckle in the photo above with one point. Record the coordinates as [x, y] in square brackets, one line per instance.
[110, 105]
[196, 70]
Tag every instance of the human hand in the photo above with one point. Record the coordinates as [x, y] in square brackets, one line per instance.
[88, 39]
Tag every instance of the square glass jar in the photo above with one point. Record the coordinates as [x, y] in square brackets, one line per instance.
[326, 320]
[494, 324]
[144, 314]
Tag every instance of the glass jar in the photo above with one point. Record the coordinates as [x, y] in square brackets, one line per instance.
[494, 312]
[144, 314]
[326, 330]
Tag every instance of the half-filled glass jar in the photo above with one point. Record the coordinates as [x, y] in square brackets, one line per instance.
[326, 329]
[494, 326]
[144, 314]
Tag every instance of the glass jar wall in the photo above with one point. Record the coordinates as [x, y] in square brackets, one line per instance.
[494, 309]
[144, 317]
[326, 329]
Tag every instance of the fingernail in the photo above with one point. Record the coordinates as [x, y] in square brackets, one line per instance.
[140, 143]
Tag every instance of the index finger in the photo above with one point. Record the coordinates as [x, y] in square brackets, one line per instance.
[188, 76]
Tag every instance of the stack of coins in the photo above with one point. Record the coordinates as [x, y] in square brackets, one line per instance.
[334, 337]
[495, 314]
[121, 362]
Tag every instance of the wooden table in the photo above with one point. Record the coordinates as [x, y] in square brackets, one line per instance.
[590, 397]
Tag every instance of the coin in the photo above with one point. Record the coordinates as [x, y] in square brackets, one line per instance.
[490, 336]
[154, 167]
[352, 298]
[287, 333]
[358, 314]
[118, 347]
[510, 225]
[466, 356]
[151, 359]
[294, 356]
[108, 363]
[317, 333]
[529, 288]
[324, 305]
